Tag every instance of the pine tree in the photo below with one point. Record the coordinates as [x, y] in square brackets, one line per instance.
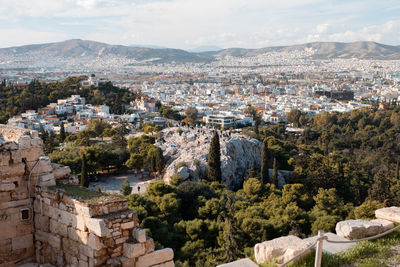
[125, 188]
[84, 174]
[214, 159]
[275, 173]
[264, 162]
[380, 189]
[231, 246]
[62, 132]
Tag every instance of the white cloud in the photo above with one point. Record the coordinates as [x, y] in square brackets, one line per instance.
[189, 23]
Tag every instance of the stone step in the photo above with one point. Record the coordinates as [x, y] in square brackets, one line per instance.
[240, 263]
[332, 248]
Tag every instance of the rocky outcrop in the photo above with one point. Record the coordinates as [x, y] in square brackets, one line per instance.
[358, 228]
[238, 154]
[390, 214]
[280, 249]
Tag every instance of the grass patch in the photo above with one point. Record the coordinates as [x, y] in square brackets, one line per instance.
[376, 253]
[85, 195]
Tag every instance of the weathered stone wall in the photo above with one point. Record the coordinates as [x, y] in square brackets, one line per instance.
[73, 233]
[40, 223]
[20, 150]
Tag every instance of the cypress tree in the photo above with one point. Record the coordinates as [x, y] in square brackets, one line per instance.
[264, 162]
[84, 174]
[231, 245]
[62, 132]
[214, 159]
[275, 173]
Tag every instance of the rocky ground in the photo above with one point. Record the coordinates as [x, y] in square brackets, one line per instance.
[187, 154]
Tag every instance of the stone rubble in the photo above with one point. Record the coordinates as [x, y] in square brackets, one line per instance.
[355, 229]
[280, 249]
[390, 214]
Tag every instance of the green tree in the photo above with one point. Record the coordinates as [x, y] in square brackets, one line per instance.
[125, 188]
[274, 179]
[84, 174]
[231, 244]
[191, 114]
[62, 132]
[264, 162]
[214, 159]
[380, 189]
[294, 117]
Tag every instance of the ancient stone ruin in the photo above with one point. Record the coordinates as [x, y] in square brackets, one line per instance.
[45, 222]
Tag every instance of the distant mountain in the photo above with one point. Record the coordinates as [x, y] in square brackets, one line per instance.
[148, 46]
[324, 50]
[205, 48]
[84, 51]
[76, 48]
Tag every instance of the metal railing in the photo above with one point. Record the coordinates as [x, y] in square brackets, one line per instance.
[319, 245]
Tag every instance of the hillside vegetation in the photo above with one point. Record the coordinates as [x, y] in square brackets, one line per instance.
[345, 165]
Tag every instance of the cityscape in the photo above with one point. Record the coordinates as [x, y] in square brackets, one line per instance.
[270, 139]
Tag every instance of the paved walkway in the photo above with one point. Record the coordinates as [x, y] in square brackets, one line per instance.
[112, 183]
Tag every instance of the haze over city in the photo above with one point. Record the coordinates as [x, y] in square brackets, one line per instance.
[188, 24]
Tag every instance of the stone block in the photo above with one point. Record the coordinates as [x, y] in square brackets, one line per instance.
[70, 246]
[94, 242]
[86, 251]
[58, 228]
[54, 241]
[4, 187]
[97, 227]
[83, 210]
[133, 250]
[149, 245]
[8, 231]
[24, 229]
[71, 260]
[67, 218]
[78, 235]
[80, 223]
[5, 197]
[391, 214]
[280, 249]
[387, 225]
[31, 153]
[42, 222]
[172, 264]
[62, 172]
[5, 246]
[46, 180]
[126, 262]
[41, 236]
[139, 234]
[127, 225]
[13, 170]
[357, 228]
[83, 263]
[156, 257]
[21, 242]
[121, 240]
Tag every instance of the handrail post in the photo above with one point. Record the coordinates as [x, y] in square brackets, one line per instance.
[318, 251]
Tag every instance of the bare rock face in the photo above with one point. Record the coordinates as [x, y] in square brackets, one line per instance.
[390, 214]
[358, 228]
[238, 154]
[280, 249]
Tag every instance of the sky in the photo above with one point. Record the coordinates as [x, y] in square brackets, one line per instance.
[187, 24]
